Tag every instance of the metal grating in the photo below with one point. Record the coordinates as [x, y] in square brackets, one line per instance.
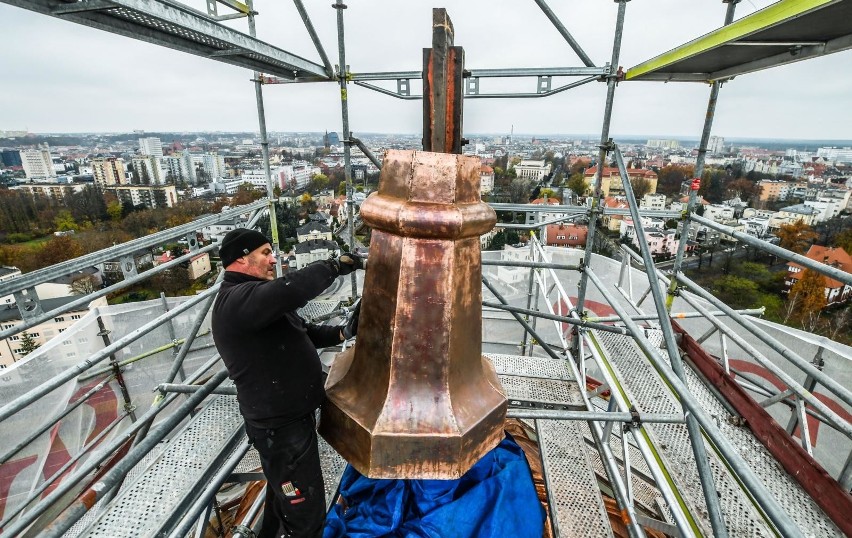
[575, 499]
[520, 365]
[546, 391]
[651, 395]
[153, 497]
[315, 309]
[645, 493]
[333, 466]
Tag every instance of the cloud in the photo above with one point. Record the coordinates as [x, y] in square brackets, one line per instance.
[63, 77]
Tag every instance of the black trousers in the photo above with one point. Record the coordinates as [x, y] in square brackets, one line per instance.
[295, 493]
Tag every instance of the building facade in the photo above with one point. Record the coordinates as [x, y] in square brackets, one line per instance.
[38, 164]
[109, 171]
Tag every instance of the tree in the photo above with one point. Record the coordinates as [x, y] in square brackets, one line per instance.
[741, 188]
[577, 184]
[64, 221]
[641, 187]
[809, 294]
[28, 344]
[519, 190]
[318, 183]
[736, 292]
[670, 178]
[796, 236]
[114, 210]
[83, 285]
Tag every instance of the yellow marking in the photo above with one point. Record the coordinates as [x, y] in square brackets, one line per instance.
[760, 20]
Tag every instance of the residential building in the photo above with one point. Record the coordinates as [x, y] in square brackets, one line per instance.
[310, 251]
[533, 170]
[8, 273]
[566, 235]
[313, 230]
[825, 209]
[212, 165]
[199, 266]
[841, 155]
[178, 167]
[296, 176]
[611, 179]
[718, 213]
[10, 158]
[49, 190]
[109, 171]
[794, 213]
[10, 348]
[216, 232]
[486, 179]
[613, 222]
[533, 217]
[653, 201]
[150, 196]
[835, 291]
[38, 164]
[151, 146]
[147, 170]
[716, 145]
[662, 242]
[772, 190]
[664, 144]
[756, 226]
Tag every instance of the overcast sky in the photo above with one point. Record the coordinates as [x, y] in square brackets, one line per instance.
[58, 76]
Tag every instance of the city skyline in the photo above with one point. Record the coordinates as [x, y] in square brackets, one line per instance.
[115, 84]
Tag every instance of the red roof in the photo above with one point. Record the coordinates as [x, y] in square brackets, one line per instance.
[615, 203]
[567, 235]
[485, 169]
[834, 256]
[550, 201]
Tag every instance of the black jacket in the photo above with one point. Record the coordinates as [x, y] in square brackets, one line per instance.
[269, 351]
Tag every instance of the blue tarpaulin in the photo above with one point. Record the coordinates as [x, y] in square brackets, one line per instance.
[495, 498]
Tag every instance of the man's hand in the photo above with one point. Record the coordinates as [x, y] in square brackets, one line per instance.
[351, 327]
[348, 262]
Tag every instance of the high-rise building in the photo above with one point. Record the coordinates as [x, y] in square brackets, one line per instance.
[716, 145]
[109, 171]
[147, 170]
[10, 157]
[212, 164]
[151, 146]
[38, 164]
[179, 167]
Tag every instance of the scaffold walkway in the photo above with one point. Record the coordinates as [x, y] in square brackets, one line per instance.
[644, 387]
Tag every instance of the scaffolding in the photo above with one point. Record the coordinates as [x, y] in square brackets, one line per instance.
[675, 426]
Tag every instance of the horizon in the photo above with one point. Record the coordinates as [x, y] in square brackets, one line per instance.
[584, 136]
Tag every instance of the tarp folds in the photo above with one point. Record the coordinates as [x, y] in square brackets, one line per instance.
[495, 498]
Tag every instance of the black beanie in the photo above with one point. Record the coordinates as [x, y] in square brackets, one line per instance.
[239, 242]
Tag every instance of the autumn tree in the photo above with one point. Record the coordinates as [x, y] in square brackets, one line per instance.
[796, 236]
[741, 188]
[641, 187]
[670, 178]
[809, 295]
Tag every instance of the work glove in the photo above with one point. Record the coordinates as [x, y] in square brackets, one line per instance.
[351, 327]
[348, 262]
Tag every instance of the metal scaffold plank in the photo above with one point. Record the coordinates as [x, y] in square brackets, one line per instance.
[574, 496]
[651, 395]
[176, 26]
[141, 508]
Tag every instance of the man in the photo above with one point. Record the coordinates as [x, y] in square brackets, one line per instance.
[270, 353]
